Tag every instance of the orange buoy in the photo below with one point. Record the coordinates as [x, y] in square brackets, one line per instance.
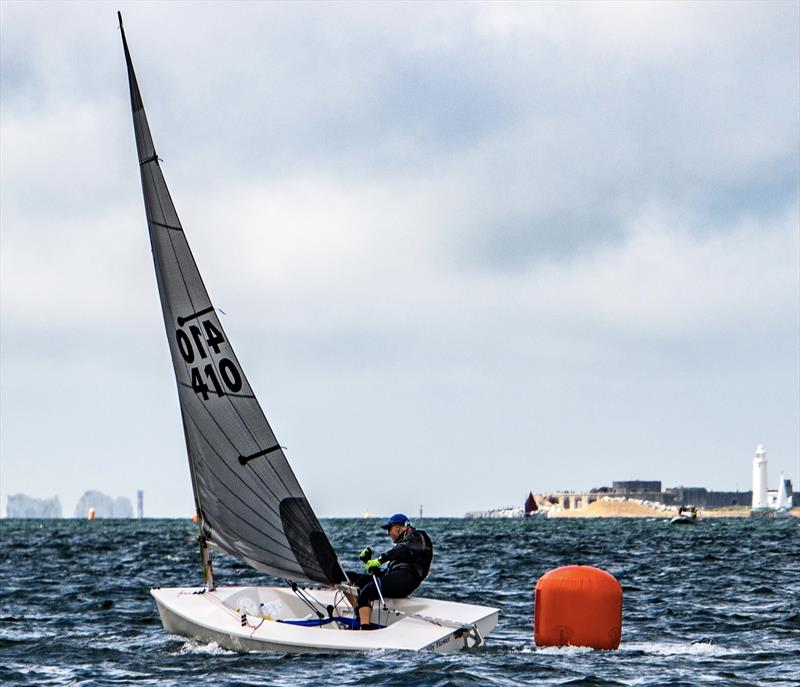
[578, 605]
[91, 514]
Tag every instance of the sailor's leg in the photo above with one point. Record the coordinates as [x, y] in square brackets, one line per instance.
[359, 580]
[365, 616]
[367, 594]
[397, 584]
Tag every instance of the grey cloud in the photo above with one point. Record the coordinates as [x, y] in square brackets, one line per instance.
[487, 301]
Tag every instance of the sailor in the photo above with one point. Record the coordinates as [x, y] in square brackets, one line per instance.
[408, 563]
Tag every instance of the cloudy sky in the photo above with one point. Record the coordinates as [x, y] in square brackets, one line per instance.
[464, 250]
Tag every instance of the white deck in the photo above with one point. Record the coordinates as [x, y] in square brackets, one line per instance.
[217, 616]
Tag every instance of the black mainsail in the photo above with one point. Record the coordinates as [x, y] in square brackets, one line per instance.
[248, 500]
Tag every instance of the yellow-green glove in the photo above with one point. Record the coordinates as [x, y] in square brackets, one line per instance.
[372, 566]
[365, 555]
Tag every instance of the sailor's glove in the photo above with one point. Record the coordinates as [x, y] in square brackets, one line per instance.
[372, 566]
[365, 555]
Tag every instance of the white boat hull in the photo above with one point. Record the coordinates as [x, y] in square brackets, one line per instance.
[684, 520]
[249, 619]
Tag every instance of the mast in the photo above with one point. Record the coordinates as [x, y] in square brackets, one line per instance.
[144, 142]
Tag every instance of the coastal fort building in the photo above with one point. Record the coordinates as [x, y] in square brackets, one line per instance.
[764, 502]
[651, 490]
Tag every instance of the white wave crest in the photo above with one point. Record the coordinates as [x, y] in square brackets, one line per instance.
[675, 649]
[650, 648]
[562, 650]
[210, 649]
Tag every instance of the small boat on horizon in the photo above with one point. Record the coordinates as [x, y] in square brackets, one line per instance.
[687, 515]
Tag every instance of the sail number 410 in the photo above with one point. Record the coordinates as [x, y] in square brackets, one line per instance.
[196, 344]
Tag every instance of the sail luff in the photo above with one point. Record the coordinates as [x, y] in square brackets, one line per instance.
[247, 496]
[145, 149]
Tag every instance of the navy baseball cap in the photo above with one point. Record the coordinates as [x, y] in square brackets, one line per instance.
[396, 519]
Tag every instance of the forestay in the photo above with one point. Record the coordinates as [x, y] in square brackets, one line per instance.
[249, 501]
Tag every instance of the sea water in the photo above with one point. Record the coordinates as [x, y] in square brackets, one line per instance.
[717, 603]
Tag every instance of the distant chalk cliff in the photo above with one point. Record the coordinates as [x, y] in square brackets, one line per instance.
[104, 506]
[22, 506]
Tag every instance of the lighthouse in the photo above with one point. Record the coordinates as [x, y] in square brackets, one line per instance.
[760, 480]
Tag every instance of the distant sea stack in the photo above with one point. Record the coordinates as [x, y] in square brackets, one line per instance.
[104, 506]
[22, 506]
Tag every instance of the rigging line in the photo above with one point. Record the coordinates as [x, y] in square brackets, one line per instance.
[304, 597]
[217, 602]
[313, 599]
[439, 622]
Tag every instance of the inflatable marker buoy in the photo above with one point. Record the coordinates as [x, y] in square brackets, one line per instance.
[91, 514]
[578, 605]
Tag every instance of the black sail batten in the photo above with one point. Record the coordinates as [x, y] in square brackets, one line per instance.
[247, 497]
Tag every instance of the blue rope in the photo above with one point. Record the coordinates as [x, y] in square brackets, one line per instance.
[318, 622]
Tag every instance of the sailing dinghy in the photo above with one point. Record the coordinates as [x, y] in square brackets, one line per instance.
[249, 503]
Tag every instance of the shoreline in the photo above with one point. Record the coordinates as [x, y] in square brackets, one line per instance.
[619, 508]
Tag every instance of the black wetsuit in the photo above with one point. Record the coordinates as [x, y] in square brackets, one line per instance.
[409, 561]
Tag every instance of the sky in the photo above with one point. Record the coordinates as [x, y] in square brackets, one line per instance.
[464, 251]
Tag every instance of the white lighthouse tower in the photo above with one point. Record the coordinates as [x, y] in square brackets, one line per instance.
[760, 480]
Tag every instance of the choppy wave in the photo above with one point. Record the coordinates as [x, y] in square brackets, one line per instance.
[205, 649]
[678, 649]
[75, 606]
